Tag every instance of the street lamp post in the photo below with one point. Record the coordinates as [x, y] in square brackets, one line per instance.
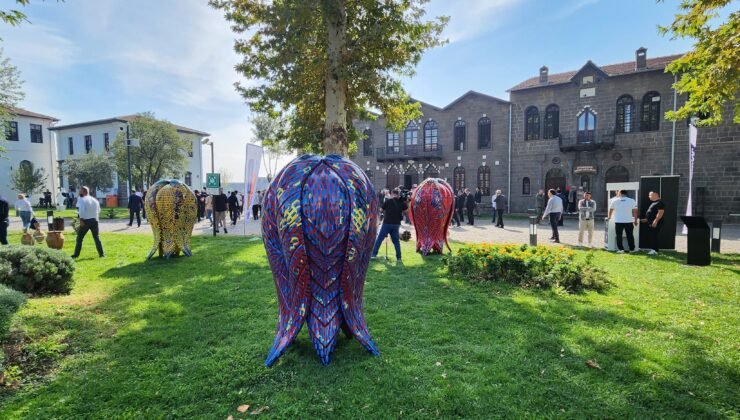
[208, 142]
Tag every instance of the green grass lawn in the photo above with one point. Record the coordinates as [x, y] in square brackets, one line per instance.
[188, 338]
[119, 212]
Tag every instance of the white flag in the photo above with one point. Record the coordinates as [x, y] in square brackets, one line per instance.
[251, 174]
[692, 155]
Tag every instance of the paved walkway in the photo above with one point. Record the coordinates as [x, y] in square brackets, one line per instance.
[516, 231]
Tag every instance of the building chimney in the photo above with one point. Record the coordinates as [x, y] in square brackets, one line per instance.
[543, 74]
[641, 58]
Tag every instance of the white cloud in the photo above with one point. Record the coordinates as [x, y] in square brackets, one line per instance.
[470, 19]
[572, 8]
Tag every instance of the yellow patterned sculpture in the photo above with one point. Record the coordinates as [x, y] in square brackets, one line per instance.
[172, 209]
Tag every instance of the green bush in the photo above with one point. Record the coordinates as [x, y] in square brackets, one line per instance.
[10, 301]
[527, 266]
[36, 270]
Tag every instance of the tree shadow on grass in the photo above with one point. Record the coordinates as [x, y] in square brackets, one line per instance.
[188, 337]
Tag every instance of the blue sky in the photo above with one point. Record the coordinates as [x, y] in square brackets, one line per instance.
[93, 59]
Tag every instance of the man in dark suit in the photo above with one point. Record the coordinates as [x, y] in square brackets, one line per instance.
[469, 205]
[134, 207]
[4, 210]
[459, 207]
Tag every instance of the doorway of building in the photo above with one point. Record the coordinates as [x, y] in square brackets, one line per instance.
[554, 179]
[586, 182]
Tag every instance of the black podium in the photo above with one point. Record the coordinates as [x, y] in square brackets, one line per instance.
[697, 241]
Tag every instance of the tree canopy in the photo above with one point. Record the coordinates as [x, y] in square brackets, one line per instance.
[270, 134]
[10, 94]
[27, 179]
[710, 72]
[323, 63]
[14, 17]
[92, 169]
[162, 152]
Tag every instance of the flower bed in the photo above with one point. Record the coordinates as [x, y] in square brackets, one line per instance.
[527, 266]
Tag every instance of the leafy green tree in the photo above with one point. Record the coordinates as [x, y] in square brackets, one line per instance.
[162, 152]
[10, 94]
[270, 134]
[14, 17]
[710, 73]
[324, 62]
[93, 170]
[27, 179]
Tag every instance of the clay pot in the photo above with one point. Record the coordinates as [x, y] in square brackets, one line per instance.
[55, 240]
[27, 239]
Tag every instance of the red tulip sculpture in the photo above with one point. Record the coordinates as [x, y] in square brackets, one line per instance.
[431, 212]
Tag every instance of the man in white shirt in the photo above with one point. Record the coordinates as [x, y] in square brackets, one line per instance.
[624, 211]
[554, 211]
[89, 209]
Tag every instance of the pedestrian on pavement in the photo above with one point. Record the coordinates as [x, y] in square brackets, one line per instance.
[654, 221]
[493, 208]
[4, 220]
[470, 205]
[233, 201]
[256, 207]
[220, 205]
[501, 203]
[393, 213]
[209, 208]
[563, 199]
[586, 215]
[25, 210]
[197, 204]
[460, 206]
[478, 200]
[142, 194]
[134, 208]
[553, 211]
[539, 202]
[624, 211]
[88, 210]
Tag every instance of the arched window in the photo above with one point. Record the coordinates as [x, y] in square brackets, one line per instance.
[526, 186]
[25, 167]
[586, 126]
[650, 117]
[458, 182]
[459, 135]
[411, 134]
[367, 142]
[370, 174]
[189, 179]
[484, 133]
[431, 171]
[484, 180]
[393, 178]
[532, 123]
[431, 136]
[625, 109]
[392, 143]
[552, 122]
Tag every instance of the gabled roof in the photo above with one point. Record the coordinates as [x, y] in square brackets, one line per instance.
[124, 119]
[611, 70]
[456, 101]
[24, 113]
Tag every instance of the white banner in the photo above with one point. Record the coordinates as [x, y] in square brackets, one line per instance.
[251, 175]
[692, 155]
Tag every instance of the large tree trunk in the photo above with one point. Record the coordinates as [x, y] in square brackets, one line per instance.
[335, 126]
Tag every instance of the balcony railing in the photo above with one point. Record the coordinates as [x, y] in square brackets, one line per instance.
[417, 151]
[587, 141]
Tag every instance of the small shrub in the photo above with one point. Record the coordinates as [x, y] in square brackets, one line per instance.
[10, 301]
[110, 213]
[527, 266]
[36, 270]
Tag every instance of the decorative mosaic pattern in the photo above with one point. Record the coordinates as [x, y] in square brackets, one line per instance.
[319, 226]
[431, 212]
[171, 209]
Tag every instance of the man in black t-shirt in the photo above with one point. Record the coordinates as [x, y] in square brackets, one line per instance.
[219, 209]
[654, 220]
[393, 209]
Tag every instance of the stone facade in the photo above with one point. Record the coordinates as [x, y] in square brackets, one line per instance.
[612, 151]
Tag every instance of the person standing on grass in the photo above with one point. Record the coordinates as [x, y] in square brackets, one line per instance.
[624, 211]
[554, 212]
[654, 221]
[393, 214]
[220, 203]
[88, 210]
[539, 202]
[501, 203]
[470, 206]
[25, 210]
[4, 221]
[586, 213]
[134, 208]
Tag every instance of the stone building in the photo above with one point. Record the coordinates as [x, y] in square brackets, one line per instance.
[465, 142]
[600, 124]
[582, 128]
